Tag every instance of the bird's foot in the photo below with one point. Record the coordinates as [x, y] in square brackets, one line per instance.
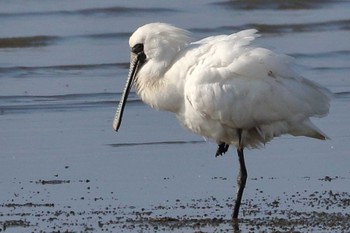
[222, 149]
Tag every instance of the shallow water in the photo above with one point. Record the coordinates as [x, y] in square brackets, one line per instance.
[62, 69]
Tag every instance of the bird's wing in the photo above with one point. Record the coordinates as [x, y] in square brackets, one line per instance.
[243, 86]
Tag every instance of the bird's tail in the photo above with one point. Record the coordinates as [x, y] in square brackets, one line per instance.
[308, 129]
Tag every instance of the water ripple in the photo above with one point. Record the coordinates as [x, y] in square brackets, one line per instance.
[43, 40]
[154, 143]
[282, 28]
[114, 11]
[31, 41]
[22, 71]
[273, 4]
[29, 104]
[342, 95]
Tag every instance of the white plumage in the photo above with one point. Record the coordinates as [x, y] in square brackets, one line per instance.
[221, 83]
[222, 87]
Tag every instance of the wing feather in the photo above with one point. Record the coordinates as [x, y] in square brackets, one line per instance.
[242, 86]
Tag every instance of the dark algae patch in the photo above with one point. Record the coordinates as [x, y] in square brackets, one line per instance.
[23, 42]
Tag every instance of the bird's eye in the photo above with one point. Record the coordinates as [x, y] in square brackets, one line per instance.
[138, 48]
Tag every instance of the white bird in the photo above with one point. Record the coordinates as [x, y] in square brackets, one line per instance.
[223, 88]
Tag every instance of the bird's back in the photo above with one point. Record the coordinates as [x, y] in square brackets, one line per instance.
[230, 84]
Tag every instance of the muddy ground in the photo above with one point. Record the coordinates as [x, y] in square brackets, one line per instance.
[327, 211]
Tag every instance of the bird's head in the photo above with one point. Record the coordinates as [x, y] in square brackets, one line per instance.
[153, 47]
[159, 41]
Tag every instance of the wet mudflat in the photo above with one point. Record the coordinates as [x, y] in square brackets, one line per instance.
[63, 169]
[325, 211]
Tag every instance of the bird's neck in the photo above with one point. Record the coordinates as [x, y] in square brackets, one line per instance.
[159, 92]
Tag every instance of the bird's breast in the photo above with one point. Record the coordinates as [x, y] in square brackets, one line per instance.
[160, 94]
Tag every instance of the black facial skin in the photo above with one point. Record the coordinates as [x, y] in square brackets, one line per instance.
[138, 48]
[141, 56]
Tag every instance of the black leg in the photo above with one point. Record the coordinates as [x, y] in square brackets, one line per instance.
[222, 149]
[242, 177]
